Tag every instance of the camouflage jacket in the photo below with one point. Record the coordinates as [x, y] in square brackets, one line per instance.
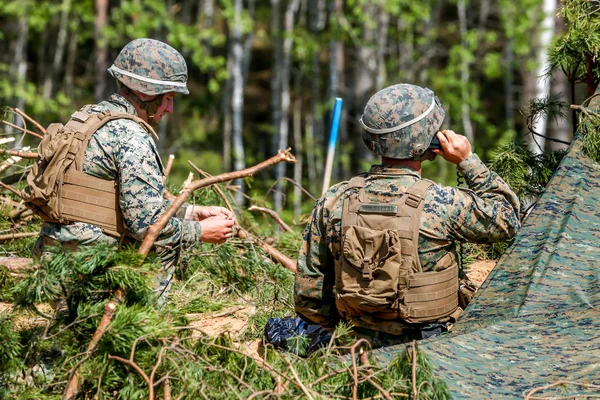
[123, 151]
[486, 212]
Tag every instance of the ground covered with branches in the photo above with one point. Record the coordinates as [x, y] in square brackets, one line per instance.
[148, 352]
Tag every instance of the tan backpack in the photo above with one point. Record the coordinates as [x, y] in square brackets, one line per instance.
[379, 280]
[59, 191]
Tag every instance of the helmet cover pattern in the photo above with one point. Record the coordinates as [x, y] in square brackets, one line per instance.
[151, 67]
[401, 120]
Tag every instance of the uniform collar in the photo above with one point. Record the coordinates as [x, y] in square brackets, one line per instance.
[122, 102]
[393, 170]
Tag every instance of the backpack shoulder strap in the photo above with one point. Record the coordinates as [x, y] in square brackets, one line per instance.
[412, 205]
[87, 124]
[349, 210]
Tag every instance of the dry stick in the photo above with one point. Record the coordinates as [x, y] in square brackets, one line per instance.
[274, 215]
[12, 236]
[22, 129]
[275, 254]
[151, 235]
[355, 368]
[529, 396]
[169, 165]
[18, 153]
[157, 227]
[12, 189]
[137, 368]
[28, 118]
[300, 384]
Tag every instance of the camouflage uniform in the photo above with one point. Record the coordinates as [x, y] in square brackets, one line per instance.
[122, 150]
[486, 212]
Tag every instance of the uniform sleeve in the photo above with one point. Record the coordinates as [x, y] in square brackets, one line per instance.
[315, 277]
[488, 211]
[141, 190]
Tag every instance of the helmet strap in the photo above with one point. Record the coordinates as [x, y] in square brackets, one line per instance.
[427, 156]
[150, 106]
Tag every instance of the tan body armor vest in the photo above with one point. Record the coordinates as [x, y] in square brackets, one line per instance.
[380, 283]
[58, 189]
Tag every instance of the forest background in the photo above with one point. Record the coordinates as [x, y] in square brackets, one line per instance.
[263, 75]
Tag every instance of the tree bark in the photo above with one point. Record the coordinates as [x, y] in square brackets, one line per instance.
[336, 77]
[542, 86]
[285, 96]
[100, 51]
[464, 73]
[276, 70]
[61, 43]
[237, 100]
[298, 148]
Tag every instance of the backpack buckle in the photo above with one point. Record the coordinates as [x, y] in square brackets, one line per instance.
[413, 200]
[367, 272]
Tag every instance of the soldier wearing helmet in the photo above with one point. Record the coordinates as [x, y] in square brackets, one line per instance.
[149, 74]
[379, 250]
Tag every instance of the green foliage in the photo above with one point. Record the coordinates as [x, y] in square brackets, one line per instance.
[10, 348]
[580, 43]
[525, 172]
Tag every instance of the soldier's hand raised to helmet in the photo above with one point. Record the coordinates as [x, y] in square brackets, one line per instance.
[455, 148]
[216, 229]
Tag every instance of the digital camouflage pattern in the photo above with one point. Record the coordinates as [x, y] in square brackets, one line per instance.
[123, 151]
[396, 105]
[485, 213]
[535, 319]
[150, 67]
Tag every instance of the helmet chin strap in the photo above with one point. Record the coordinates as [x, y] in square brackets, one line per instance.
[150, 106]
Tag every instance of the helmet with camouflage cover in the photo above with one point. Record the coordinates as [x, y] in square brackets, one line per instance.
[151, 67]
[401, 120]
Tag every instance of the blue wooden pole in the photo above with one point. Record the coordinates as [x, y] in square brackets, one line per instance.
[333, 134]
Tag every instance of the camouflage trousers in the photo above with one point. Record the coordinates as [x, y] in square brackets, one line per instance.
[169, 259]
[379, 339]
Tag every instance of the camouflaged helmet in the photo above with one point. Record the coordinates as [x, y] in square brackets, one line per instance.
[401, 120]
[150, 67]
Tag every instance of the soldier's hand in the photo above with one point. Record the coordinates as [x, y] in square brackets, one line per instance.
[455, 148]
[216, 229]
[199, 213]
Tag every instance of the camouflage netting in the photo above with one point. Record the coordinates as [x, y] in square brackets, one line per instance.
[536, 319]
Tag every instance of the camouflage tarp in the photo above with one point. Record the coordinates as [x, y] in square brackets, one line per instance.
[536, 319]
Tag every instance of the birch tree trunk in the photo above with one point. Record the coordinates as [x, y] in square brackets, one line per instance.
[276, 71]
[61, 43]
[336, 76]
[292, 7]
[315, 138]
[298, 148]
[237, 101]
[20, 64]
[542, 87]
[100, 51]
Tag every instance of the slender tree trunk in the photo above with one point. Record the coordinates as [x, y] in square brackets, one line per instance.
[298, 148]
[336, 78]
[365, 81]
[383, 21]
[61, 43]
[464, 73]
[315, 137]
[20, 63]
[101, 51]
[291, 10]
[276, 36]
[226, 111]
[509, 84]
[248, 42]
[237, 103]
[70, 63]
[542, 87]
